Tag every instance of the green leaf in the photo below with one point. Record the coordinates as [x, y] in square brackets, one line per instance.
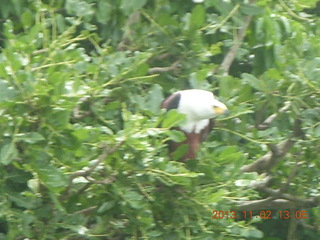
[20, 200]
[172, 118]
[132, 6]
[134, 199]
[8, 153]
[79, 8]
[61, 23]
[52, 177]
[59, 117]
[197, 17]
[31, 137]
[229, 154]
[216, 197]
[27, 19]
[252, 81]
[7, 92]
[68, 140]
[104, 12]
[251, 233]
[175, 135]
[251, 10]
[180, 152]
[154, 97]
[34, 185]
[178, 174]
[106, 206]
[215, 48]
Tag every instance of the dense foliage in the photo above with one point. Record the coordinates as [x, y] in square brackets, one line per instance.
[82, 149]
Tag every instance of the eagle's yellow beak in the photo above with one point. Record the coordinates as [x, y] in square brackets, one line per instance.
[220, 110]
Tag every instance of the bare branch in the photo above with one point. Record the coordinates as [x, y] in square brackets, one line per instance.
[86, 210]
[307, 226]
[266, 123]
[229, 58]
[132, 19]
[271, 203]
[86, 173]
[106, 152]
[162, 56]
[277, 194]
[106, 181]
[292, 228]
[173, 67]
[271, 158]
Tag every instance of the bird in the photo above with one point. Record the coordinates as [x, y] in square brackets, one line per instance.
[199, 107]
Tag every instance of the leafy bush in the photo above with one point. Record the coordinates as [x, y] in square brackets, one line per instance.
[83, 150]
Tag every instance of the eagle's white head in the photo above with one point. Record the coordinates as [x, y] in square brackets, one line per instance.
[199, 104]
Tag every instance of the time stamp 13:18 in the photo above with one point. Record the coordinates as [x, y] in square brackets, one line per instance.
[286, 214]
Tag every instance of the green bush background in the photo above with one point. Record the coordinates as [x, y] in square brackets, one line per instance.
[82, 148]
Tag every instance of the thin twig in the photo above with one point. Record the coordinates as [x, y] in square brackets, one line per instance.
[292, 13]
[292, 175]
[86, 173]
[231, 13]
[86, 210]
[106, 181]
[106, 152]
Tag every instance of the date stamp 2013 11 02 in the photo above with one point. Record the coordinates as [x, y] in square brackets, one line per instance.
[265, 214]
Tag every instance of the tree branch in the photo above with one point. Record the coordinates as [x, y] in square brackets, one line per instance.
[86, 210]
[271, 158]
[271, 203]
[86, 173]
[125, 41]
[106, 152]
[292, 230]
[277, 194]
[229, 58]
[173, 67]
[266, 123]
[307, 226]
[106, 181]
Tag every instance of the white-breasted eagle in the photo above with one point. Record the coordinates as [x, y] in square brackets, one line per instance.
[200, 107]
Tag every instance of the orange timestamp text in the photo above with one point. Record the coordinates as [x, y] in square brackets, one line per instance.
[265, 214]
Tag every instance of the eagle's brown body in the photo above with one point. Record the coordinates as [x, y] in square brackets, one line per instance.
[193, 140]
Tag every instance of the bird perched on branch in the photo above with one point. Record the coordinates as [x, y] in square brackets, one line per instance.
[199, 107]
